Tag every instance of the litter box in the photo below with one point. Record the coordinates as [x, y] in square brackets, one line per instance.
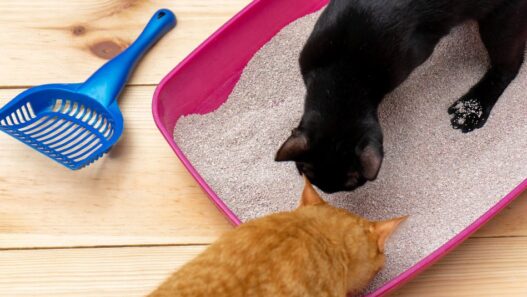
[205, 79]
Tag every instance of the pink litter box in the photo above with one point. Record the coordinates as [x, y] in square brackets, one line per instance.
[205, 79]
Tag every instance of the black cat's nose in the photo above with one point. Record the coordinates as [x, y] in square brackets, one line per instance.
[353, 181]
[329, 188]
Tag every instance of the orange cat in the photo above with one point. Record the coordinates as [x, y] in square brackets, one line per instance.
[315, 251]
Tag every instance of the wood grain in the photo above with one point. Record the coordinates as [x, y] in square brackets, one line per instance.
[479, 267]
[54, 41]
[138, 194]
[512, 221]
[468, 271]
[89, 272]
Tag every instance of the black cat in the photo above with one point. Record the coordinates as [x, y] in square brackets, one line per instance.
[360, 50]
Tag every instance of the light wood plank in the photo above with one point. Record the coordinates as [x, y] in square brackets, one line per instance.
[52, 41]
[512, 221]
[480, 267]
[89, 272]
[141, 194]
[138, 194]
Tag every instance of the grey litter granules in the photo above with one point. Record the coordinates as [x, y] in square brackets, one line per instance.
[440, 177]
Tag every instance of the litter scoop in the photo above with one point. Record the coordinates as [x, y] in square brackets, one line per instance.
[75, 124]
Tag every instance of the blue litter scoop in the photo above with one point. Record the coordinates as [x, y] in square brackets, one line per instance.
[75, 124]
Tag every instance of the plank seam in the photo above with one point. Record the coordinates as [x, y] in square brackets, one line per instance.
[101, 246]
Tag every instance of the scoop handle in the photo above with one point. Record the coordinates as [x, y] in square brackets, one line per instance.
[107, 83]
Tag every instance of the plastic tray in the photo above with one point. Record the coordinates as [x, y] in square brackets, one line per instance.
[205, 79]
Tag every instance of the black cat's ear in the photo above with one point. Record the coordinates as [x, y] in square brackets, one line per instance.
[370, 158]
[294, 148]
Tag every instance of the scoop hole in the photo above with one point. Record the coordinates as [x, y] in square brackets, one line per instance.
[74, 139]
[93, 119]
[80, 149]
[57, 106]
[41, 127]
[87, 115]
[30, 110]
[34, 124]
[14, 118]
[74, 109]
[59, 137]
[25, 113]
[67, 107]
[81, 112]
[88, 154]
[50, 131]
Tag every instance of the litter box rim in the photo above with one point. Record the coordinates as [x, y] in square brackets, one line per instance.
[166, 120]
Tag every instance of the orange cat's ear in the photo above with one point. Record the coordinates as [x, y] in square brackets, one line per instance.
[384, 229]
[310, 195]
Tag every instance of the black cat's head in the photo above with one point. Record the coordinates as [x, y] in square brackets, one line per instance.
[335, 157]
[338, 143]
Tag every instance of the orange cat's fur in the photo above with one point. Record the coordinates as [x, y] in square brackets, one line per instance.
[315, 251]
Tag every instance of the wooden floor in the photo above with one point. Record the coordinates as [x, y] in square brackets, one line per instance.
[120, 226]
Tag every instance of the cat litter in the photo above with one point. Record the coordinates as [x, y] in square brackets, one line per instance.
[443, 179]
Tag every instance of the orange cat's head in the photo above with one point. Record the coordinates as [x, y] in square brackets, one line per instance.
[363, 241]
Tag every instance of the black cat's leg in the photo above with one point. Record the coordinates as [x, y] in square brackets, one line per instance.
[504, 34]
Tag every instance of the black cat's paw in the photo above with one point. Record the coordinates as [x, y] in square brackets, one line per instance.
[468, 114]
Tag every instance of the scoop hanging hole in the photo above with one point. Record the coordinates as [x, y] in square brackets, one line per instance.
[161, 14]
